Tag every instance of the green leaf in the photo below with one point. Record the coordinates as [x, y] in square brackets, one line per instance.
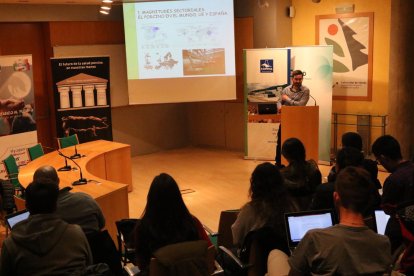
[339, 67]
[337, 49]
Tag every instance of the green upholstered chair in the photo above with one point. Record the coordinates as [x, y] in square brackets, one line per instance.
[68, 141]
[35, 152]
[12, 171]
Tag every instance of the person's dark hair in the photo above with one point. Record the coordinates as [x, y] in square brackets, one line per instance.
[166, 219]
[352, 139]
[349, 156]
[294, 150]
[41, 197]
[269, 197]
[266, 183]
[388, 146]
[356, 190]
[296, 72]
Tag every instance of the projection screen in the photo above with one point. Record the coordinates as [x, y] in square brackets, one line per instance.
[180, 51]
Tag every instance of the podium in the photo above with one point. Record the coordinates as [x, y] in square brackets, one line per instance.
[302, 122]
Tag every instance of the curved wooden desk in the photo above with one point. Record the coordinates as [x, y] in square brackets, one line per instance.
[107, 166]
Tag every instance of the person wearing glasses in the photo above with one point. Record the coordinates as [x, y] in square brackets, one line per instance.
[295, 94]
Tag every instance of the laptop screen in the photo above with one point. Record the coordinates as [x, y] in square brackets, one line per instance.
[16, 217]
[297, 224]
[381, 220]
[267, 108]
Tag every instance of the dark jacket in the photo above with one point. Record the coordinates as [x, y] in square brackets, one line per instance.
[301, 181]
[45, 245]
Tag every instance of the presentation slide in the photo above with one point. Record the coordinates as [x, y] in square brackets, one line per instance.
[180, 47]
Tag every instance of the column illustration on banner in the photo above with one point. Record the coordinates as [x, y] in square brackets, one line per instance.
[77, 84]
[82, 97]
[17, 108]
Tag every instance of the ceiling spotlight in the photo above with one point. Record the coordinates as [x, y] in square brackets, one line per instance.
[104, 12]
[107, 1]
[105, 7]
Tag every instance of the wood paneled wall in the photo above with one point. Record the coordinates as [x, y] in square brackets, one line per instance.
[37, 39]
[28, 38]
[86, 33]
[243, 30]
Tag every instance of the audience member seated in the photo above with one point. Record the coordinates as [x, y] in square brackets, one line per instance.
[398, 188]
[81, 209]
[269, 201]
[166, 220]
[404, 255]
[301, 177]
[75, 208]
[350, 247]
[44, 244]
[354, 140]
[323, 198]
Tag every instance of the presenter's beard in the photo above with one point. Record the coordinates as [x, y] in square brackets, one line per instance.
[297, 86]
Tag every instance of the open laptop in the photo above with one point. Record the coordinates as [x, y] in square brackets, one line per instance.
[12, 219]
[381, 220]
[297, 224]
[267, 108]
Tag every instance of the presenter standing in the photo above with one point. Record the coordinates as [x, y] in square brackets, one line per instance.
[295, 94]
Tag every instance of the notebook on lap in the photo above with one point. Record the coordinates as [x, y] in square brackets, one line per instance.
[297, 224]
[16, 217]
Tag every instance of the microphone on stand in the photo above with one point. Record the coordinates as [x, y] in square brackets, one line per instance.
[64, 168]
[312, 98]
[81, 180]
[76, 155]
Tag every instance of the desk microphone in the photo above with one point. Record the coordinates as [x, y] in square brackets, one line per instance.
[312, 98]
[64, 168]
[76, 155]
[81, 180]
